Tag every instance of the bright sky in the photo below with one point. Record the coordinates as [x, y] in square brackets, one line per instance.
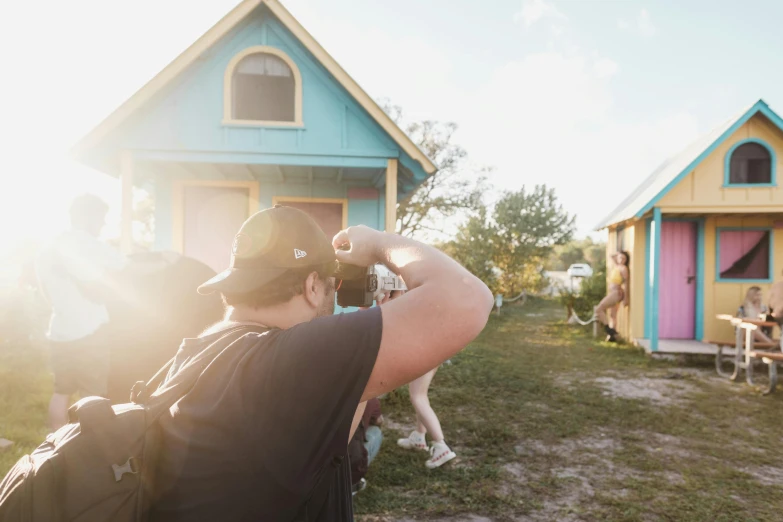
[587, 96]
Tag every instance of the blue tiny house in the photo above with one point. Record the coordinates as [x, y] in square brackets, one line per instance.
[254, 113]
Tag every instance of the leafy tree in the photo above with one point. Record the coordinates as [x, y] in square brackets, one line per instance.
[577, 251]
[473, 247]
[507, 252]
[529, 224]
[566, 255]
[454, 188]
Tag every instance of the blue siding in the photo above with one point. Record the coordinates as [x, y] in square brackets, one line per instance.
[184, 121]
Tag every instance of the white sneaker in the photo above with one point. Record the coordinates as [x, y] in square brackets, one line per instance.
[440, 454]
[414, 441]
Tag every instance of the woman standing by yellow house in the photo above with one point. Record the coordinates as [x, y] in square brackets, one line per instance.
[617, 292]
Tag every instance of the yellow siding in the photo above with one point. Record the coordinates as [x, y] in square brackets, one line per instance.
[638, 289]
[724, 298]
[702, 190]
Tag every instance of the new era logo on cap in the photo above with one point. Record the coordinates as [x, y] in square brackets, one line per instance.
[262, 250]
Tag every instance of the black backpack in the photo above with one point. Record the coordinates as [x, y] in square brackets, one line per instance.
[100, 467]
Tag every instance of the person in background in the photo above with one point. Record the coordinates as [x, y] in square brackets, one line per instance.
[752, 308]
[426, 422]
[616, 293]
[366, 444]
[776, 305]
[71, 271]
[373, 436]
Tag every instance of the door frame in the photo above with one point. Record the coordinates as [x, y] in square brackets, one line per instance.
[301, 199]
[651, 302]
[178, 203]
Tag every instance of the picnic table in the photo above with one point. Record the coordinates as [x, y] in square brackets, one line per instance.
[748, 351]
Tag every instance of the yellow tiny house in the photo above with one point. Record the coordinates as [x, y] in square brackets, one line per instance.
[700, 230]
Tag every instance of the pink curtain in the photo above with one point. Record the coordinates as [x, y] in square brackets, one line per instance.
[736, 243]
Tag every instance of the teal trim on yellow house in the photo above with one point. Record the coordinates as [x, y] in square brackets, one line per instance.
[691, 186]
[760, 107]
[655, 271]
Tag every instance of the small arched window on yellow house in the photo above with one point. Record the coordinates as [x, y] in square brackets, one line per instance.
[750, 163]
[262, 86]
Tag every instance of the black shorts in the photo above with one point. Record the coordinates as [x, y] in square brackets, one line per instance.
[81, 365]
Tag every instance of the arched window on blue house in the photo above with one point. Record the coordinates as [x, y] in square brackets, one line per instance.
[263, 86]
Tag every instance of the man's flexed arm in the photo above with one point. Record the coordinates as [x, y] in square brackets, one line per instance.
[444, 308]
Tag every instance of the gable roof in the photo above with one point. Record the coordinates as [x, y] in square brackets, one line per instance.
[675, 168]
[218, 31]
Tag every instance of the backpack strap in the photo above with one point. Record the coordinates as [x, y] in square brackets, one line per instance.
[158, 400]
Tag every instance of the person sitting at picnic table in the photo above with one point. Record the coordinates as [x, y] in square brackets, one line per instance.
[753, 308]
[776, 305]
[617, 292]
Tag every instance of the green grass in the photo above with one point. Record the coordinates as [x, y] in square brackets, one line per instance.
[593, 456]
[25, 390]
[536, 436]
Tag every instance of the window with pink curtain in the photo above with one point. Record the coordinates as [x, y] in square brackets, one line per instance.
[744, 254]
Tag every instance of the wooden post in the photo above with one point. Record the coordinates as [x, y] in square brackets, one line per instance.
[126, 180]
[391, 196]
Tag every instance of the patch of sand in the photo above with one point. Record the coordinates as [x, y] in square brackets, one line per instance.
[766, 475]
[663, 392]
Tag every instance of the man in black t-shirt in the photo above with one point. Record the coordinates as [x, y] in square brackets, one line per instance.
[264, 433]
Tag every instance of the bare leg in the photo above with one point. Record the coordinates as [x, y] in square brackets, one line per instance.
[613, 316]
[600, 312]
[58, 411]
[608, 302]
[425, 415]
[420, 427]
[761, 337]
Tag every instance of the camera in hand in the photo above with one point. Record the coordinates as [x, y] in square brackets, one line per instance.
[361, 286]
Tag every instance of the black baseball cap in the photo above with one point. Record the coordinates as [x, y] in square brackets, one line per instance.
[269, 244]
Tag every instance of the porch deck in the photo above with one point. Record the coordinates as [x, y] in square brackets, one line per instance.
[682, 346]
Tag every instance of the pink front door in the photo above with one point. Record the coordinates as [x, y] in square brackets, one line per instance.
[677, 298]
[328, 215]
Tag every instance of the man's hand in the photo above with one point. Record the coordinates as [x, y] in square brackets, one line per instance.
[386, 297]
[359, 245]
